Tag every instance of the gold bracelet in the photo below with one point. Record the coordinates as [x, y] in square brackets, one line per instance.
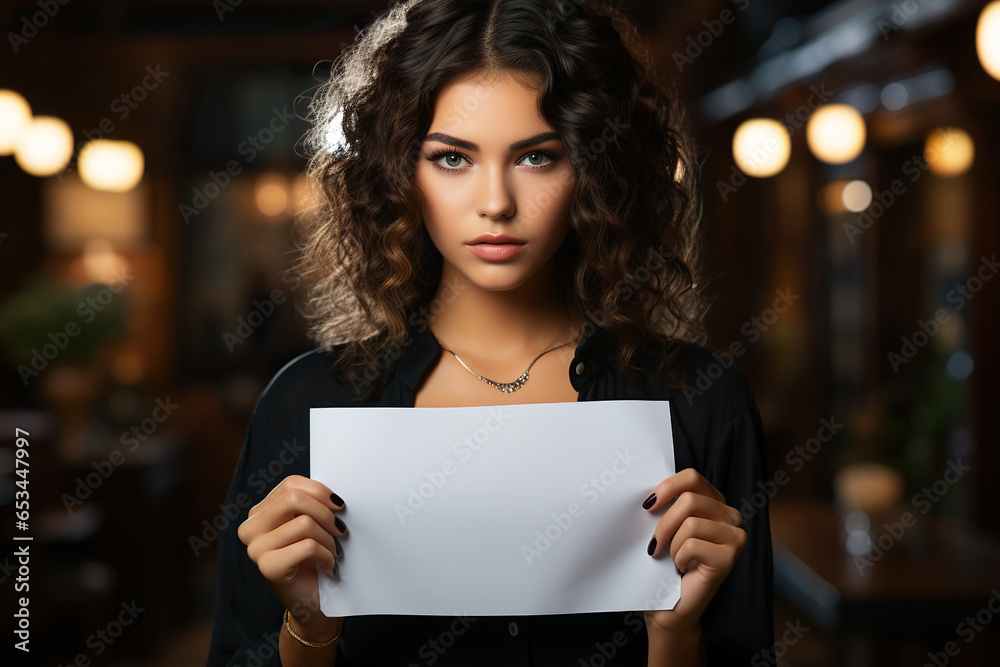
[309, 643]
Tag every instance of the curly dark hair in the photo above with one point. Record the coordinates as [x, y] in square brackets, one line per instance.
[628, 262]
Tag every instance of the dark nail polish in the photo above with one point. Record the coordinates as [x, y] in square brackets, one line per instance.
[340, 549]
[336, 568]
[336, 499]
[652, 546]
[648, 502]
[340, 524]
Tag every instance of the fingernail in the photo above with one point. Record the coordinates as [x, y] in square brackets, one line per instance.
[336, 499]
[652, 546]
[648, 502]
[340, 524]
[340, 550]
[336, 568]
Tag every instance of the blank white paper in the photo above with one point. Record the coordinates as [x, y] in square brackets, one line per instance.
[496, 510]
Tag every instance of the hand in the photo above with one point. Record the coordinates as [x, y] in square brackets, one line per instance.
[705, 539]
[290, 534]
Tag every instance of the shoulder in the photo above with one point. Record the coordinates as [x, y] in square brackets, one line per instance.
[712, 409]
[704, 380]
[308, 380]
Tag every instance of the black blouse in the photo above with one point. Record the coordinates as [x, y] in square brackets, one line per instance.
[716, 430]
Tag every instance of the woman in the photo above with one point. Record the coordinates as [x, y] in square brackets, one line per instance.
[512, 192]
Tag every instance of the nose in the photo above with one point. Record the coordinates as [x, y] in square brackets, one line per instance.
[496, 199]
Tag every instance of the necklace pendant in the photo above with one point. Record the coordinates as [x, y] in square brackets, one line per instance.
[508, 387]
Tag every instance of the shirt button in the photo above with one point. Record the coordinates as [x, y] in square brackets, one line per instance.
[512, 629]
[580, 368]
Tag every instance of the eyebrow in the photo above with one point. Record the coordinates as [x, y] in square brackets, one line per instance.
[470, 146]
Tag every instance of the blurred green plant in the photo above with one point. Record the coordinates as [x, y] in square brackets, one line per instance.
[38, 315]
[921, 408]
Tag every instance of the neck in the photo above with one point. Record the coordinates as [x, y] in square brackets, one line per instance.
[501, 325]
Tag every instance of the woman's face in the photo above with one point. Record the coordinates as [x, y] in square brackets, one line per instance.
[490, 164]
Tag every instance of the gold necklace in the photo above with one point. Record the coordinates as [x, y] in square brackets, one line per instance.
[507, 386]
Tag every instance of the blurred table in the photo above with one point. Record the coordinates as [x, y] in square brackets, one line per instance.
[920, 588]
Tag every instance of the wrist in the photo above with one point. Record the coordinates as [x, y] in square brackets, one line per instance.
[675, 646]
[319, 629]
[689, 633]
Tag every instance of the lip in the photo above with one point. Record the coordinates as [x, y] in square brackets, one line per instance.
[495, 251]
[496, 239]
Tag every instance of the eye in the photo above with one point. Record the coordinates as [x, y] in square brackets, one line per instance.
[453, 159]
[451, 155]
[540, 155]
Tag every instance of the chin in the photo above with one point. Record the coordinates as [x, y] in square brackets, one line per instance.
[500, 277]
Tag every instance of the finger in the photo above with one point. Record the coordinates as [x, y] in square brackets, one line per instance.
[282, 564]
[703, 529]
[717, 557]
[299, 528]
[687, 480]
[311, 486]
[286, 507]
[687, 505]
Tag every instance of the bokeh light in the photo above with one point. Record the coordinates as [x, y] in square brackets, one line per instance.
[857, 196]
[988, 39]
[45, 146]
[271, 193]
[115, 166]
[960, 365]
[15, 114]
[761, 147]
[836, 133]
[949, 151]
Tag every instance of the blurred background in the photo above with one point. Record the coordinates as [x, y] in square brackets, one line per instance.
[150, 172]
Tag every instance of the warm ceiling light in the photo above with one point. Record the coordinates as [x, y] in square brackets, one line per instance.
[949, 151]
[15, 114]
[836, 133]
[856, 196]
[988, 39]
[115, 166]
[44, 146]
[761, 147]
[271, 193]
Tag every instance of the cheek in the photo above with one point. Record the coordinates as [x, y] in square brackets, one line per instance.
[441, 199]
[552, 203]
